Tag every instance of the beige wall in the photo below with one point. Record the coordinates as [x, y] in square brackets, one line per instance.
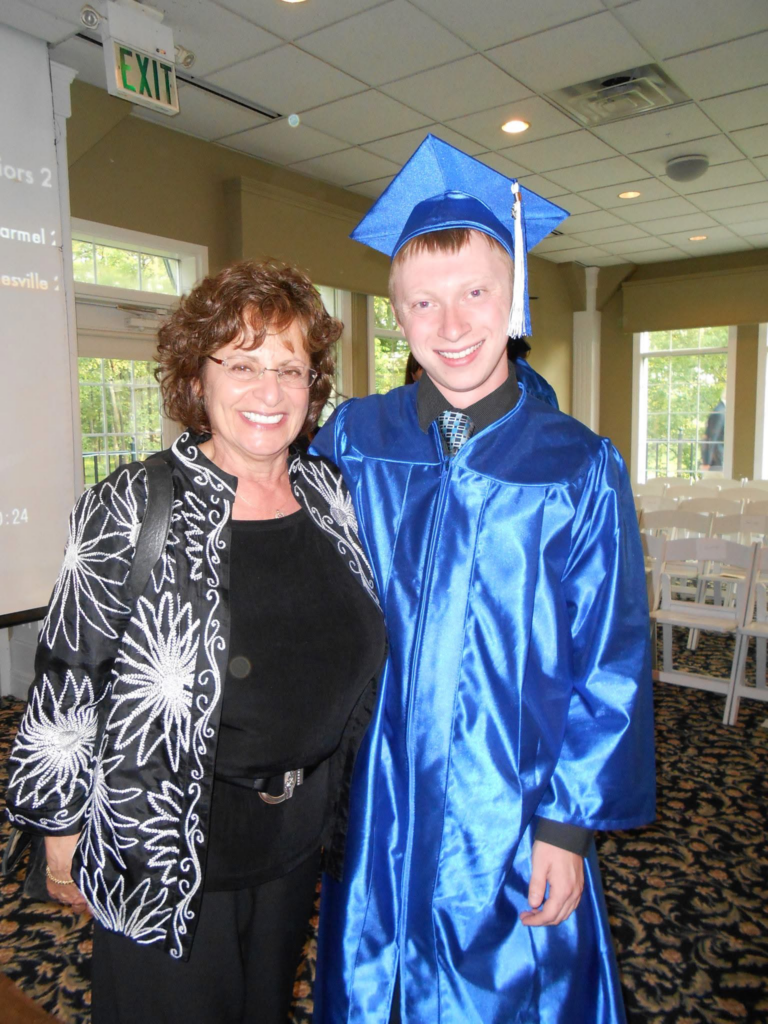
[727, 289]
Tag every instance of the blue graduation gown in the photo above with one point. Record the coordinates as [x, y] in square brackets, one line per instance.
[518, 684]
[534, 383]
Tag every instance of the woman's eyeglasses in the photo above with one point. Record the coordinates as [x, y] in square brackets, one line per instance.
[248, 371]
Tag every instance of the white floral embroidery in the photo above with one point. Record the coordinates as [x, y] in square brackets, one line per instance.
[85, 591]
[191, 519]
[122, 501]
[55, 744]
[153, 702]
[164, 830]
[106, 827]
[135, 915]
[340, 522]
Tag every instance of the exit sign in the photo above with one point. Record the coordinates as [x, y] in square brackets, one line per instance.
[143, 78]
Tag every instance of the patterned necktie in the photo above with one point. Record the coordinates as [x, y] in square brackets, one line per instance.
[456, 428]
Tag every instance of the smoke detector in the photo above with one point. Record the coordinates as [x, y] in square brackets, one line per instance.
[620, 95]
[687, 168]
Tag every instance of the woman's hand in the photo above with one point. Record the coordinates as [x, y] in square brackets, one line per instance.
[58, 854]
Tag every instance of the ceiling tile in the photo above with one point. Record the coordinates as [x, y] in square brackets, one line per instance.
[740, 172]
[53, 25]
[560, 151]
[751, 227]
[741, 214]
[739, 195]
[739, 109]
[503, 165]
[682, 238]
[633, 245]
[385, 43]
[656, 128]
[585, 255]
[717, 147]
[281, 144]
[576, 204]
[541, 186]
[676, 207]
[762, 163]
[604, 172]
[752, 141]
[693, 223]
[363, 117]
[589, 222]
[760, 241]
[610, 261]
[608, 196]
[659, 256]
[461, 87]
[557, 243]
[485, 126]
[716, 248]
[293, 20]
[217, 37]
[582, 50]
[617, 234]
[349, 167]
[204, 115]
[401, 147]
[670, 28]
[371, 188]
[740, 64]
[286, 80]
[485, 23]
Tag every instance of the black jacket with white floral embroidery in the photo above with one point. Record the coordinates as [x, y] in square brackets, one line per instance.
[118, 740]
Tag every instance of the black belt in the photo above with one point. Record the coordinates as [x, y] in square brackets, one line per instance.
[273, 789]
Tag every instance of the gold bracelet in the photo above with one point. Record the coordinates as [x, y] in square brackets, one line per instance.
[57, 881]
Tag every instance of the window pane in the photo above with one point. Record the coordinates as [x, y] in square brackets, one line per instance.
[91, 412]
[82, 260]
[89, 370]
[685, 413]
[117, 370]
[119, 409]
[147, 409]
[391, 355]
[117, 268]
[697, 337]
[383, 314]
[159, 274]
[144, 373]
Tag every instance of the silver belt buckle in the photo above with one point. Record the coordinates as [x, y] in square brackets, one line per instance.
[290, 781]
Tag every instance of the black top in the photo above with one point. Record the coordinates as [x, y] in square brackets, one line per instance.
[305, 641]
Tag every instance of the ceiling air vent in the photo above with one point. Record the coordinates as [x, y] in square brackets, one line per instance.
[624, 94]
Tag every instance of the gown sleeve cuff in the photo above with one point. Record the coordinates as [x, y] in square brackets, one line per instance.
[568, 837]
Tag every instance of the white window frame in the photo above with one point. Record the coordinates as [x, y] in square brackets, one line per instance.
[760, 470]
[344, 376]
[121, 323]
[373, 333]
[640, 401]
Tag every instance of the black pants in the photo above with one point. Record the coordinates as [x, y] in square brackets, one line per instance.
[245, 952]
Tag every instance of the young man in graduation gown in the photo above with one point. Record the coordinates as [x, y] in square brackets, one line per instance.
[514, 714]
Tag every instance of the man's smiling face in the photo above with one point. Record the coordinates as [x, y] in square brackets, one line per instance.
[454, 310]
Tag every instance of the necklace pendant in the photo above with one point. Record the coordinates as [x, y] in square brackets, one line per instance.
[279, 514]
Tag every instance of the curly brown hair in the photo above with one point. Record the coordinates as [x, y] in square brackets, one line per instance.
[266, 296]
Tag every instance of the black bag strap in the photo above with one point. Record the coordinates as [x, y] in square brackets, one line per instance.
[154, 526]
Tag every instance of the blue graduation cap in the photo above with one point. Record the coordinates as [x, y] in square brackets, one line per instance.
[439, 188]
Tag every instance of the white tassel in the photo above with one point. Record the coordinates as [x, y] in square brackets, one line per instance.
[516, 326]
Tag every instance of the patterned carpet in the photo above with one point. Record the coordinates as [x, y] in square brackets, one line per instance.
[687, 896]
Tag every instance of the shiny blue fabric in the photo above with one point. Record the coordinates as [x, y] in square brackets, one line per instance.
[535, 385]
[518, 684]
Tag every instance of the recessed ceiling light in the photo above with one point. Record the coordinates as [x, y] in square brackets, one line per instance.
[628, 195]
[697, 238]
[293, 1]
[515, 126]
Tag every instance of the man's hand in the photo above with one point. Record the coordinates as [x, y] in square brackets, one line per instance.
[564, 871]
[58, 853]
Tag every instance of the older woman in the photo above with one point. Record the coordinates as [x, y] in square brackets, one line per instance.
[187, 755]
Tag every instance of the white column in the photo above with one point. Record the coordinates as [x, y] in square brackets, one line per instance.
[61, 80]
[585, 403]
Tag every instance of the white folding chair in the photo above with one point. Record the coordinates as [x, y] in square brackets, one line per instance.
[698, 615]
[719, 506]
[674, 524]
[746, 494]
[755, 625]
[681, 490]
[656, 486]
[729, 485]
[757, 508]
[654, 503]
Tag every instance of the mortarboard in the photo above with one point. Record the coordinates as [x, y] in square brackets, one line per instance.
[440, 187]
